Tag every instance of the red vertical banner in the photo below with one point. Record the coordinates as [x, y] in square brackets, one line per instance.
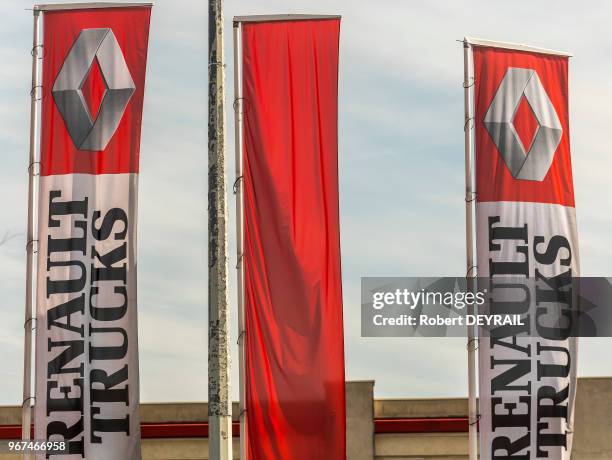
[87, 379]
[294, 343]
[525, 228]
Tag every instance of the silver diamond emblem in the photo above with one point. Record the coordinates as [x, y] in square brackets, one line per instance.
[87, 133]
[532, 164]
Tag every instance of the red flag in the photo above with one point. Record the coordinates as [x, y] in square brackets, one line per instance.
[87, 386]
[293, 297]
[526, 227]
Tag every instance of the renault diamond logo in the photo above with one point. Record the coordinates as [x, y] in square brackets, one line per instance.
[532, 164]
[85, 132]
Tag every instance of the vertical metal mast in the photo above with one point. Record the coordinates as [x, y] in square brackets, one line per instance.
[26, 407]
[238, 189]
[219, 404]
[470, 197]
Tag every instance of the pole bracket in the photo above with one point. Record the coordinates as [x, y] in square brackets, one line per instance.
[467, 85]
[34, 92]
[236, 104]
[32, 170]
[239, 263]
[36, 53]
[25, 401]
[31, 242]
[237, 184]
[31, 319]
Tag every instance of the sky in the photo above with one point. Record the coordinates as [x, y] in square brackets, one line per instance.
[401, 175]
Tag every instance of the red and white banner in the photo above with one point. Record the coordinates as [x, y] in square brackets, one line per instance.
[526, 227]
[87, 336]
[294, 346]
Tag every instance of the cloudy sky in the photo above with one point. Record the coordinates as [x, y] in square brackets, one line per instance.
[401, 173]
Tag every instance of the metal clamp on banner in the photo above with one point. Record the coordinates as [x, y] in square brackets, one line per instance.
[32, 170]
[210, 64]
[239, 261]
[240, 337]
[475, 422]
[469, 124]
[31, 242]
[244, 104]
[473, 340]
[31, 319]
[34, 91]
[470, 270]
[25, 401]
[35, 51]
[237, 184]
[473, 198]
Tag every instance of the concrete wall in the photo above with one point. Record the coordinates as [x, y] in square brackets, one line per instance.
[359, 427]
[179, 449]
[593, 426]
[360, 420]
[429, 446]
[592, 441]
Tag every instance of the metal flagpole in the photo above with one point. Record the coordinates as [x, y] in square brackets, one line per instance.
[26, 406]
[219, 403]
[238, 125]
[470, 196]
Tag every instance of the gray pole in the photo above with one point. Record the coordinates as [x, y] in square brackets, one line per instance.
[469, 247]
[219, 404]
[26, 406]
[239, 124]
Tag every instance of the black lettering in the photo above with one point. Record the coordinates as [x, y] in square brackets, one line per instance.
[66, 310]
[66, 286]
[74, 348]
[548, 257]
[65, 404]
[108, 352]
[553, 370]
[68, 433]
[111, 217]
[510, 448]
[508, 233]
[64, 208]
[112, 425]
[108, 313]
[108, 272]
[108, 393]
[511, 419]
[518, 369]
